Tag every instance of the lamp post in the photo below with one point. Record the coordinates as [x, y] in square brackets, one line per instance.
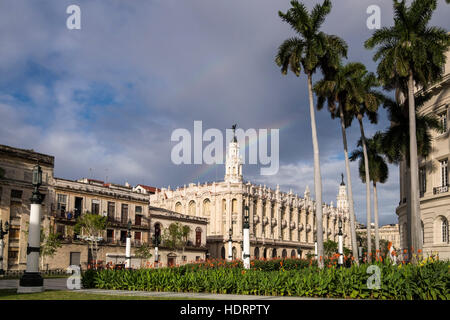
[246, 239]
[340, 244]
[156, 242]
[128, 247]
[230, 245]
[31, 280]
[2, 233]
[315, 245]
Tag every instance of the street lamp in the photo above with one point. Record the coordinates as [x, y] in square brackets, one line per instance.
[230, 245]
[246, 239]
[340, 244]
[2, 244]
[31, 280]
[315, 245]
[128, 247]
[156, 242]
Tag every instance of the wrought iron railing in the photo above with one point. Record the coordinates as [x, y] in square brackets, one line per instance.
[441, 189]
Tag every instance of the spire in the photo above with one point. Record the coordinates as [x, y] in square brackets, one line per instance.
[342, 182]
[233, 165]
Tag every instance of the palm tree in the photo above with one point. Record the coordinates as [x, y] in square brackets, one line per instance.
[339, 90]
[366, 104]
[396, 139]
[310, 49]
[414, 50]
[379, 173]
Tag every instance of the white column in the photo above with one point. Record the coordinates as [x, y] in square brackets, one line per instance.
[341, 249]
[156, 256]
[230, 250]
[246, 248]
[34, 237]
[31, 281]
[128, 252]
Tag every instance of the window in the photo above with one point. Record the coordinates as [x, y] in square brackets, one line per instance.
[443, 120]
[444, 227]
[422, 181]
[124, 213]
[198, 237]
[138, 220]
[109, 235]
[137, 236]
[138, 210]
[95, 207]
[111, 210]
[17, 194]
[444, 172]
[62, 203]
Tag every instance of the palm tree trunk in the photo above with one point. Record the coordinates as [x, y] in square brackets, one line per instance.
[416, 234]
[375, 218]
[317, 176]
[368, 204]
[349, 184]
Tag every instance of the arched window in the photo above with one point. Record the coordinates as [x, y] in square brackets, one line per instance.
[444, 229]
[192, 208]
[274, 253]
[256, 253]
[222, 253]
[284, 253]
[198, 237]
[293, 254]
[178, 207]
[206, 208]
[265, 253]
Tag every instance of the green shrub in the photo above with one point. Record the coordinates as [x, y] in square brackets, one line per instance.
[291, 278]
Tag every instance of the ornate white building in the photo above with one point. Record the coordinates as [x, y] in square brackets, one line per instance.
[281, 224]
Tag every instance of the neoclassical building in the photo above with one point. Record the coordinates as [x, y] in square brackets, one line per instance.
[282, 224]
[433, 177]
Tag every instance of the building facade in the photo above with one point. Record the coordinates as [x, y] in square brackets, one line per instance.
[281, 223]
[388, 232]
[66, 200]
[433, 178]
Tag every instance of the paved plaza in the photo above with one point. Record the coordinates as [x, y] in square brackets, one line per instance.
[60, 284]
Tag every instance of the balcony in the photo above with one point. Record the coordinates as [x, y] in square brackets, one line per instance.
[441, 189]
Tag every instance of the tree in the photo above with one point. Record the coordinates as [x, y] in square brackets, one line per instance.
[395, 140]
[367, 102]
[329, 248]
[143, 252]
[379, 172]
[49, 244]
[337, 89]
[176, 236]
[92, 227]
[310, 49]
[411, 49]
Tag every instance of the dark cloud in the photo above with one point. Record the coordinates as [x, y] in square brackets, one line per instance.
[104, 100]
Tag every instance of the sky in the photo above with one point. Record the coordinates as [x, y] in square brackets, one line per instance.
[105, 99]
